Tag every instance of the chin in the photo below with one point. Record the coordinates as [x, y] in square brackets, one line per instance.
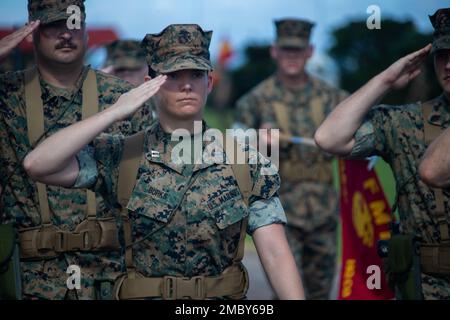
[445, 85]
[293, 73]
[68, 57]
[188, 114]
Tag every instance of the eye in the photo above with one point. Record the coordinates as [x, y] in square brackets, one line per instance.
[198, 74]
[172, 76]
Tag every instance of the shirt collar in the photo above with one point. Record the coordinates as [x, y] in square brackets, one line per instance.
[159, 148]
[50, 91]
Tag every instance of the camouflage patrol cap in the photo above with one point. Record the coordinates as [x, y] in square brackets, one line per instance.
[48, 11]
[441, 24]
[125, 54]
[293, 32]
[178, 47]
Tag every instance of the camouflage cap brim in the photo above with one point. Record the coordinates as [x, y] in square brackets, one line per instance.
[182, 62]
[51, 15]
[292, 42]
[441, 43]
[127, 63]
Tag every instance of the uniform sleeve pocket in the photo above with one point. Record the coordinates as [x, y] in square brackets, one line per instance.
[228, 212]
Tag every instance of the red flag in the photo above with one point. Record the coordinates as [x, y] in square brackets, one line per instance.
[365, 218]
[225, 53]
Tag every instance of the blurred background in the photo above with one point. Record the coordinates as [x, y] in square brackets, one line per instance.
[347, 53]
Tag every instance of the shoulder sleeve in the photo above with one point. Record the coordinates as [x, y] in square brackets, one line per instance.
[264, 205]
[266, 180]
[265, 212]
[87, 168]
[375, 132]
[98, 164]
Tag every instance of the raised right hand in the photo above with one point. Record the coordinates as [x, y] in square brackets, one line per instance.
[8, 43]
[130, 102]
[404, 70]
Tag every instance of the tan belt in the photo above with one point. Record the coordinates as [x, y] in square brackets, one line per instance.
[232, 282]
[48, 241]
[435, 259]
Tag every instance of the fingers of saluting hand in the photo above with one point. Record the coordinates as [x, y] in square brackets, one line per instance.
[419, 54]
[21, 33]
[150, 87]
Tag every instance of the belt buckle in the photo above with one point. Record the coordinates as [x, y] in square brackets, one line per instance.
[199, 287]
[86, 243]
[172, 288]
[60, 241]
[191, 288]
[169, 289]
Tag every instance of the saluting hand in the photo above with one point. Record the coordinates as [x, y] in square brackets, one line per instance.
[401, 72]
[8, 43]
[130, 102]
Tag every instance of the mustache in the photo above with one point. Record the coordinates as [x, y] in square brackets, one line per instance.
[66, 44]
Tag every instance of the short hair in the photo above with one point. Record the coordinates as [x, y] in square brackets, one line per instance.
[152, 73]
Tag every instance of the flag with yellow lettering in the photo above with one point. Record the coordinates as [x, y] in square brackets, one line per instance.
[365, 219]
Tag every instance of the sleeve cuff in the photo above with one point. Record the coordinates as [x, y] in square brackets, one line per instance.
[264, 212]
[88, 172]
[364, 141]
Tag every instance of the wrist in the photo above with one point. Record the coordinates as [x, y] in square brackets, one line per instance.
[110, 116]
[383, 82]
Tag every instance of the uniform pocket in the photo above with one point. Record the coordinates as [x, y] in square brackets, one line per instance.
[154, 198]
[227, 208]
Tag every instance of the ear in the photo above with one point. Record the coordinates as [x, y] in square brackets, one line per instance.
[210, 81]
[273, 51]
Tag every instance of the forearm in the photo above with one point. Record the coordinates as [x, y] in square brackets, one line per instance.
[336, 134]
[58, 151]
[56, 155]
[434, 168]
[278, 262]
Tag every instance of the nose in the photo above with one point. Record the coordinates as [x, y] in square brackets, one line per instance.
[186, 85]
[447, 61]
[65, 34]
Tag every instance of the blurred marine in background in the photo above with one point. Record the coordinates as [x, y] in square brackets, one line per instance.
[296, 103]
[126, 60]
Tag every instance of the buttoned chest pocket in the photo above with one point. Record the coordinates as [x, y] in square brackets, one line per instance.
[153, 201]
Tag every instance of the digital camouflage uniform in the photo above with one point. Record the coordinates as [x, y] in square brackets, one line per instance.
[47, 280]
[201, 235]
[180, 235]
[396, 133]
[311, 206]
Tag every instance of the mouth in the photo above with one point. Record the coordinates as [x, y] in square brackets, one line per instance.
[186, 100]
[66, 47]
[447, 78]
